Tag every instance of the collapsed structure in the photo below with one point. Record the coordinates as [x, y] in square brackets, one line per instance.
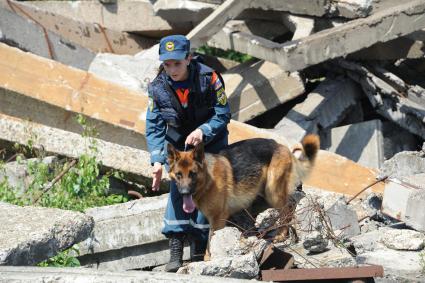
[349, 71]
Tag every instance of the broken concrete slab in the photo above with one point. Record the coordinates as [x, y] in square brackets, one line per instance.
[71, 89]
[16, 173]
[360, 142]
[386, 24]
[333, 257]
[92, 36]
[323, 108]
[263, 28]
[242, 266]
[183, 10]
[409, 46]
[255, 87]
[299, 25]
[33, 234]
[133, 72]
[52, 140]
[112, 232]
[402, 197]
[403, 239]
[120, 16]
[26, 35]
[404, 164]
[398, 263]
[347, 177]
[343, 218]
[86, 275]
[143, 256]
[386, 98]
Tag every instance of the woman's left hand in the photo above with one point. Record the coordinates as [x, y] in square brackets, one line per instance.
[194, 138]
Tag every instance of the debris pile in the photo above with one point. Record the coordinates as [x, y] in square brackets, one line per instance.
[350, 71]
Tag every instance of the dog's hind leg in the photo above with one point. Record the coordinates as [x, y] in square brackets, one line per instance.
[278, 188]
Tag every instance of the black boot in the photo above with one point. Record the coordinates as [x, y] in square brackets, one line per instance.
[197, 249]
[176, 253]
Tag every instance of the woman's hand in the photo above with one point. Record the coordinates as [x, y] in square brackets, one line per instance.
[195, 137]
[156, 175]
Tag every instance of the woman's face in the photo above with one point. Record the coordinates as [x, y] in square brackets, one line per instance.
[177, 69]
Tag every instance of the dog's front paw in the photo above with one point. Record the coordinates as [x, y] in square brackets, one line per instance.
[207, 257]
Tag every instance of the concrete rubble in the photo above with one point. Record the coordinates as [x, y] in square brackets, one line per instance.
[33, 234]
[349, 71]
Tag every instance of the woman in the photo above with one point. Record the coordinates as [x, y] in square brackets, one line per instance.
[187, 105]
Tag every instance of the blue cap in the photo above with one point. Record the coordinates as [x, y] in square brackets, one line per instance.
[173, 47]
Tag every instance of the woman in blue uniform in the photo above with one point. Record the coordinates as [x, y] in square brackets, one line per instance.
[187, 105]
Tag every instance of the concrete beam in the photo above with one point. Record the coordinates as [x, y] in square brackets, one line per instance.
[33, 234]
[56, 141]
[91, 36]
[385, 96]
[183, 10]
[23, 33]
[119, 16]
[86, 275]
[80, 92]
[255, 87]
[295, 55]
[411, 46]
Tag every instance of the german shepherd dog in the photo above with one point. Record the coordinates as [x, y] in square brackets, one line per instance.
[222, 184]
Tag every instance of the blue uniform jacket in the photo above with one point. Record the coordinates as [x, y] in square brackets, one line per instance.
[156, 126]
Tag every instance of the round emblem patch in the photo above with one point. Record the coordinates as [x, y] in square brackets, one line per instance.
[169, 46]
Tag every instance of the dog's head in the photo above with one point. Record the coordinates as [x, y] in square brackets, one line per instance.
[185, 169]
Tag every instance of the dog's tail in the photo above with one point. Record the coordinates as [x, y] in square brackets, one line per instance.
[311, 145]
[304, 157]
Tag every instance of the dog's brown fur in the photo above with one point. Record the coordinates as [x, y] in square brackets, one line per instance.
[225, 183]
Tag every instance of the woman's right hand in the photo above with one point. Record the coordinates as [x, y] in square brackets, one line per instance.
[156, 175]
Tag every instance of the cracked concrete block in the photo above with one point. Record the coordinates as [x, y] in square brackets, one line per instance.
[25, 34]
[183, 10]
[404, 199]
[243, 266]
[89, 35]
[255, 87]
[333, 257]
[402, 239]
[343, 218]
[133, 72]
[324, 107]
[125, 225]
[86, 275]
[120, 16]
[398, 263]
[362, 142]
[33, 234]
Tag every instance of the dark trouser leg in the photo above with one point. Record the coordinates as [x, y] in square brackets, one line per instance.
[176, 253]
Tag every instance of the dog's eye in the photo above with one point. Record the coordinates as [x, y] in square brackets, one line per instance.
[192, 174]
[179, 175]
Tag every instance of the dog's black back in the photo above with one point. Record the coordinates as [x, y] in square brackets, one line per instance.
[248, 157]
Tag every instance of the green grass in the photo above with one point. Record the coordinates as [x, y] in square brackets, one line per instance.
[227, 54]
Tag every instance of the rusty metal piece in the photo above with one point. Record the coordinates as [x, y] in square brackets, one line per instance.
[105, 36]
[14, 5]
[323, 273]
[135, 194]
[374, 183]
[274, 258]
[50, 185]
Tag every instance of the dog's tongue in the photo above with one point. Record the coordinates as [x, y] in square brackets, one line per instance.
[188, 205]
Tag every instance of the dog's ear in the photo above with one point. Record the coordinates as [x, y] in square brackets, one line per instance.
[198, 152]
[173, 154]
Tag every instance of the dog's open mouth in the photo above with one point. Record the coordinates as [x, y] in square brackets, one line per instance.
[188, 204]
